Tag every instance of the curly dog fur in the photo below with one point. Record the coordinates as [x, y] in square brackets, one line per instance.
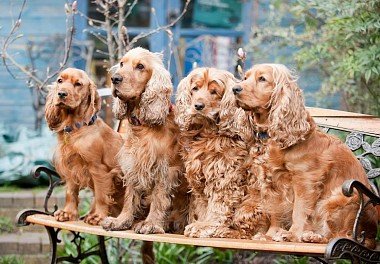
[214, 134]
[303, 169]
[156, 190]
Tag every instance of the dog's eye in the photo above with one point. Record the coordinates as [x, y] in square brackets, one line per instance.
[121, 64]
[262, 79]
[212, 92]
[140, 66]
[59, 80]
[78, 84]
[195, 88]
[245, 78]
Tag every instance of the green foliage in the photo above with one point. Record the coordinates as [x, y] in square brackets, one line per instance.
[291, 259]
[6, 225]
[339, 39]
[170, 253]
[11, 259]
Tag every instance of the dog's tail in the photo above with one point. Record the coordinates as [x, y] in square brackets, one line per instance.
[147, 252]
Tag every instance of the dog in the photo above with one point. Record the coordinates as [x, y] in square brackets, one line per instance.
[214, 137]
[156, 190]
[87, 147]
[303, 169]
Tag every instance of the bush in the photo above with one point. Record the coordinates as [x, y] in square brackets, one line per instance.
[338, 39]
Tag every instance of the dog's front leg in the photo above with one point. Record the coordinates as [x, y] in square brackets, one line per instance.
[70, 210]
[132, 201]
[103, 187]
[154, 222]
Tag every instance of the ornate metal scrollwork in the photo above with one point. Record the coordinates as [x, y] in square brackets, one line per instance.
[36, 173]
[347, 248]
[356, 141]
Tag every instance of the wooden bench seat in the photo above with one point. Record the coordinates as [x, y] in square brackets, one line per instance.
[357, 129]
[266, 246]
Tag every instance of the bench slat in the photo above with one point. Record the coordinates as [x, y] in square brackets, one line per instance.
[268, 246]
[347, 121]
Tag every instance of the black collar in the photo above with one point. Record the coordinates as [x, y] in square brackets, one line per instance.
[262, 135]
[78, 125]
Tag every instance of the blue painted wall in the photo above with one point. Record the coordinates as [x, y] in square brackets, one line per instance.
[41, 18]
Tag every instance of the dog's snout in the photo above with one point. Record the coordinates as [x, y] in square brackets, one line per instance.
[237, 89]
[62, 94]
[199, 106]
[116, 79]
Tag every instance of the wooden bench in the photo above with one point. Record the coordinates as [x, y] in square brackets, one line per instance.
[362, 135]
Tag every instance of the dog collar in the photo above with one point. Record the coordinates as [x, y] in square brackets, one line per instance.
[78, 125]
[262, 135]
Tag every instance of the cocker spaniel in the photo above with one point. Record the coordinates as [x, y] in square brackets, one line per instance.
[302, 176]
[156, 190]
[87, 147]
[214, 134]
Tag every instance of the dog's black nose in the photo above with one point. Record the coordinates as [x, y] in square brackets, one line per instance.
[199, 106]
[62, 94]
[116, 79]
[237, 89]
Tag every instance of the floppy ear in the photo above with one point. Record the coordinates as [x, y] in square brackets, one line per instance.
[119, 108]
[233, 120]
[183, 102]
[94, 101]
[54, 115]
[155, 101]
[288, 117]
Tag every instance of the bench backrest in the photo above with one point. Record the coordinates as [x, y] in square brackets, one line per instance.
[360, 132]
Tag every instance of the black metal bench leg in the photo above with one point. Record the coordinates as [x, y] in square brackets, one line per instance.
[102, 250]
[53, 236]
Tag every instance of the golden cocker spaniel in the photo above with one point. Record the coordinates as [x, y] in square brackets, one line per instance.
[214, 135]
[156, 190]
[304, 169]
[87, 147]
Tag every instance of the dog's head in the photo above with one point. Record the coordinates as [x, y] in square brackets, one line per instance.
[271, 92]
[205, 97]
[141, 80]
[73, 93]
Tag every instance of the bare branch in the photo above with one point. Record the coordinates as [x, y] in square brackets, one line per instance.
[120, 37]
[108, 26]
[156, 30]
[30, 73]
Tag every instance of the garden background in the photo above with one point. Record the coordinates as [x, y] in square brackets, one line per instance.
[334, 46]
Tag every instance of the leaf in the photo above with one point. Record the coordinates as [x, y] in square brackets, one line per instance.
[373, 173]
[367, 147]
[366, 164]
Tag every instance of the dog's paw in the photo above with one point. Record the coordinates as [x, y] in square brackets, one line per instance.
[94, 219]
[261, 237]
[148, 227]
[199, 229]
[63, 216]
[284, 235]
[311, 237]
[113, 224]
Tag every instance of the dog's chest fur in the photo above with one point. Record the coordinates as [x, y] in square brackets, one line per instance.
[216, 163]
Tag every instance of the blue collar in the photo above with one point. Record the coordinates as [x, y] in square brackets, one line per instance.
[78, 125]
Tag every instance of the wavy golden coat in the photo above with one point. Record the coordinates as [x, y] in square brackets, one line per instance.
[85, 156]
[156, 191]
[214, 135]
[303, 169]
